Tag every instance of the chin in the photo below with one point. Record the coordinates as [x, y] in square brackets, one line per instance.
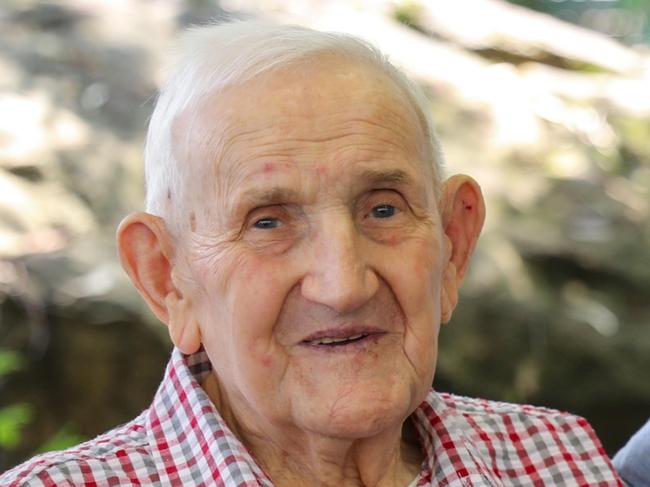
[363, 413]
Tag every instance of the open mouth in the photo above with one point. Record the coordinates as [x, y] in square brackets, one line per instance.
[336, 342]
[344, 338]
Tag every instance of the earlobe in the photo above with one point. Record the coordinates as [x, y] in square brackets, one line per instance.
[449, 291]
[183, 327]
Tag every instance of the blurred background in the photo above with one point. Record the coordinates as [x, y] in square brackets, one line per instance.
[545, 102]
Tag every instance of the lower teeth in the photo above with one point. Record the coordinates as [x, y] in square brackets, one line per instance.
[343, 342]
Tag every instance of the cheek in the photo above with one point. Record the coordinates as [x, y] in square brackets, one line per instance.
[416, 272]
[392, 241]
[243, 301]
[266, 361]
[415, 280]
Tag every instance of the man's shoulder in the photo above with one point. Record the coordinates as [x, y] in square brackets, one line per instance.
[521, 442]
[521, 421]
[113, 456]
[486, 407]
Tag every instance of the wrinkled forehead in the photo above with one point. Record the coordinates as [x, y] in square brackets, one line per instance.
[320, 98]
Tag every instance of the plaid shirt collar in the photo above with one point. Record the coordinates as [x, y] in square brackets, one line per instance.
[190, 440]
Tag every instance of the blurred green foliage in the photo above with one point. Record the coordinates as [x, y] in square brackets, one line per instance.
[408, 12]
[625, 20]
[14, 417]
[12, 420]
[10, 361]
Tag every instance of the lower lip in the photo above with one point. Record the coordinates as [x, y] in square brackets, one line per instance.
[357, 345]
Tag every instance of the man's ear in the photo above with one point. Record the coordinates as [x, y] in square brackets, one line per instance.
[462, 212]
[147, 255]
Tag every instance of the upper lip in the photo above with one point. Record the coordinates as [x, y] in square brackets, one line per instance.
[342, 332]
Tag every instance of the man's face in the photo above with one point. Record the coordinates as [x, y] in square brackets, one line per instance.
[316, 254]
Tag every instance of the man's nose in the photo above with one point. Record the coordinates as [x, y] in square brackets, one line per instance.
[338, 273]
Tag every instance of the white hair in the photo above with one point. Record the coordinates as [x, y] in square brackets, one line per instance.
[211, 58]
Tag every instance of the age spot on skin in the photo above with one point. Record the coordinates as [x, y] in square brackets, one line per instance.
[392, 241]
[192, 221]
[267, 361]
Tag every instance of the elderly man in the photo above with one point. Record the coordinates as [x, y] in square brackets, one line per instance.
[302, 250]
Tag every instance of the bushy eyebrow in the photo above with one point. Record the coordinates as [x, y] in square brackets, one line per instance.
[269, 196]
[367, 178]
[374, 177]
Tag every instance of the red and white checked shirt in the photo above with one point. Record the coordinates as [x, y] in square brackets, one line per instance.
[181, 440]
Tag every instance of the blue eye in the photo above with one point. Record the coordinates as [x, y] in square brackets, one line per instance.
[383, 211]
[267, 223]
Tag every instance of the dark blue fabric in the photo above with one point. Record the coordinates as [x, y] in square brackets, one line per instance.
[633, 460]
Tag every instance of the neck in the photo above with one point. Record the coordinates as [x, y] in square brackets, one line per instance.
[389, 459]
[384, 460]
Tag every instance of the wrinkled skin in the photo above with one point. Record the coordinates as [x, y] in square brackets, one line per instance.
[314, 219]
